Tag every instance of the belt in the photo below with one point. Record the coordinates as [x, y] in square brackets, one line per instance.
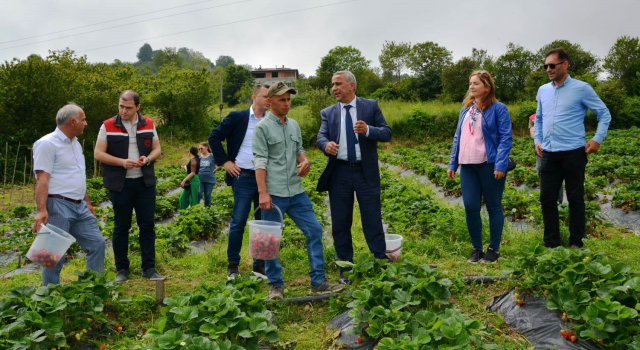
[344, 162]
[76, 201]
[250, 171]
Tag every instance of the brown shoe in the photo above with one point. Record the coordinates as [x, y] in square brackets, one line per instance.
[276, 292]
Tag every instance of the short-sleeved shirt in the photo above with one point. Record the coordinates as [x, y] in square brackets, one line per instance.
[207, 164]
[62, 159]
[275, 149]
[134, 154]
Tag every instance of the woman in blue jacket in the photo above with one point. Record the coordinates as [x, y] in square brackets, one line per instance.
[481, 147]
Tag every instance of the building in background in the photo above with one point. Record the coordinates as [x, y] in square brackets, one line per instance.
[274, 75]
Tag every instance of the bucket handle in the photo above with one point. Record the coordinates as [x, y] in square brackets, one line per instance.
[394, 250]
[279, 212]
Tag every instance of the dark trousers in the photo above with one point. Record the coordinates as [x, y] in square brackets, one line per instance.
[134, 195]
[554, 168]
[345, 180]
[477, 181]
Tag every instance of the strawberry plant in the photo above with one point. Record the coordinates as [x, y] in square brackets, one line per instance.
[57, 316]
[598, 295]
[233, 313]
[404, 306]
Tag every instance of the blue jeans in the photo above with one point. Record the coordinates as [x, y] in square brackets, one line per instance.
[477, 181]
[245, 192]
[205, 190]
[78, 221]
[300, 210]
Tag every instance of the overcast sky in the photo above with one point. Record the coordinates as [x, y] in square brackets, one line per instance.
[262, 33]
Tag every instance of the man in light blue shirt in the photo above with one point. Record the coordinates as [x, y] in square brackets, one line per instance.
[560, 142]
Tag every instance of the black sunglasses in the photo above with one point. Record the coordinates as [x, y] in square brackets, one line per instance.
[553, 65]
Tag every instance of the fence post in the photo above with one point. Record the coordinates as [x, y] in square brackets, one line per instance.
[15, 165]
[24, 179]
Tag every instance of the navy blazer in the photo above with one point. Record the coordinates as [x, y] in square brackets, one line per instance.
[367, 111]
[233, 129]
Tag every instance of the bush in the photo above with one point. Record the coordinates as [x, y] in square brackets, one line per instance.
[422, 123]
[298, 101]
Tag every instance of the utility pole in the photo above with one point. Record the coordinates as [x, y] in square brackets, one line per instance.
[221, 105]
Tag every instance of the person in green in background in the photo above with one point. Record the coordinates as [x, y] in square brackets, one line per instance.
[191, 183]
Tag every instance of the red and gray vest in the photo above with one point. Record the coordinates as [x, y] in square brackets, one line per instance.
[118, 146]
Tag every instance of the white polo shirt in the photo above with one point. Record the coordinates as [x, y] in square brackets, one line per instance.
[62, 158]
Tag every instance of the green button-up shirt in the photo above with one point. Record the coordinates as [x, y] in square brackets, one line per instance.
[276, 147]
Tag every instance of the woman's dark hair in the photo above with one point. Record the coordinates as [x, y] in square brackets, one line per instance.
[193, 150]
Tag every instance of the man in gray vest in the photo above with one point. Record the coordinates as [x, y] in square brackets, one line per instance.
[127, 146]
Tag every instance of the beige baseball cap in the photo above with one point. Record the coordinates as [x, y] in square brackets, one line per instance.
[280, 89]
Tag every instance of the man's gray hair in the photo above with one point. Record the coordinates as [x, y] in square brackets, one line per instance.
[348, 75]
[70, 110]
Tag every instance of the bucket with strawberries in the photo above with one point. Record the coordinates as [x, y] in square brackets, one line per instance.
[265, 236]
[50, 245]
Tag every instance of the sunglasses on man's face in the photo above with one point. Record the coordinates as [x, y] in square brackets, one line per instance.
[553, 65]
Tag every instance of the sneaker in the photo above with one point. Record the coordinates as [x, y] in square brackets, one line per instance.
[121, 276]
[276, 292]
[344, 280]
[152, 275]
[259, 271]
[326, 288]
[232, 272]
[476, 255]
[490, 257]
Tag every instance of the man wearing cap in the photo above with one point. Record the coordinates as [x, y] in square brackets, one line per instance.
[127, 147]
[237, 128]
[61, 190]
[280, 162]
[349, 135]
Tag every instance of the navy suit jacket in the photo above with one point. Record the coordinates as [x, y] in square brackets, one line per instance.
[367, 111]
[233, 129]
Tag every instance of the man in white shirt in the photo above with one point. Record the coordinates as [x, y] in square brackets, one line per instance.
[237, 129]
[61, 190]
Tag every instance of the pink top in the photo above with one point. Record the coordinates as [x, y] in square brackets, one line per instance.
[472, 148]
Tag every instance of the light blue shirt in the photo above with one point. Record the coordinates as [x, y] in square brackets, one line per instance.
[62, 159]
[342, 144]
[559, 124]
[244, 159]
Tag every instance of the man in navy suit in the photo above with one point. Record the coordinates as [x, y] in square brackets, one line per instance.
[237, 128]
[349, 135]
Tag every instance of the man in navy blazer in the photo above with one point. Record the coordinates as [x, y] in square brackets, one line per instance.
[349, 136]
[237, 128]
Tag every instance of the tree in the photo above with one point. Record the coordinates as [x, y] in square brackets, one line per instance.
[428, 56]
[511, 70]
[580, 61]
[623, 63]
[427, 60]
[482, 58]
[339, 58]
[182, 97]
[145, 54]
[394, 58]
[455, 78]
[236, 79]
[225, 61]
[167, 56]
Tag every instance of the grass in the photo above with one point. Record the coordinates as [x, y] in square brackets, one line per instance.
[305, 324]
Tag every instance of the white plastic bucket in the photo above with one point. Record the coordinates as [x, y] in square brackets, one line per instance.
[265, 236]
[394, 246]
[50, 245]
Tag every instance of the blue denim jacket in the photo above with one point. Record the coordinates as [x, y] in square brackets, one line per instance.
[496, 131]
